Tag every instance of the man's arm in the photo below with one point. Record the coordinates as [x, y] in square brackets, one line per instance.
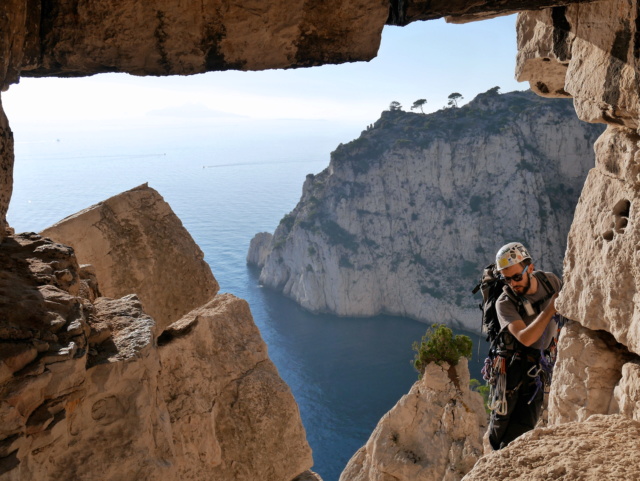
[527, 335]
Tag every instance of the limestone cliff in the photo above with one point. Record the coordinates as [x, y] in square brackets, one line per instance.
[88, 390]
[405, 217]
[433, 433]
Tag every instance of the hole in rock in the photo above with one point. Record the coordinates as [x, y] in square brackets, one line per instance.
[621, 212]
[542, 87]
[621, 223]
[608, 236]
[622, 208]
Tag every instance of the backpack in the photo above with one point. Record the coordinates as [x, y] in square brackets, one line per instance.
[492, 287]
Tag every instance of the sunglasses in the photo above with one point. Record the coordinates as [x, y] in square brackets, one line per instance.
[515, 277]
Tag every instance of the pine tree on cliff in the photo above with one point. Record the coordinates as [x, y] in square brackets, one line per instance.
[453, 99]
[418, 104]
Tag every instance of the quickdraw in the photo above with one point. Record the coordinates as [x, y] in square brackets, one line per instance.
[495, 373]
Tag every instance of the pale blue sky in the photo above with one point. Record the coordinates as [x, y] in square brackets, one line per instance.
[423, 60]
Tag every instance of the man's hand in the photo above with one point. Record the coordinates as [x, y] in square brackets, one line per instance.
[527, 335]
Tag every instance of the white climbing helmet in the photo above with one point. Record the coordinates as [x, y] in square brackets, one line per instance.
[511, 254]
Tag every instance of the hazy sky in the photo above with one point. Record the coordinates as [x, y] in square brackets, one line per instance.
[423, 60]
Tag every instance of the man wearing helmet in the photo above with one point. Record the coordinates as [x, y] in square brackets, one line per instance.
[527, 330]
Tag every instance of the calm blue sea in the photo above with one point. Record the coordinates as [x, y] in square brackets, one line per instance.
[228, 181]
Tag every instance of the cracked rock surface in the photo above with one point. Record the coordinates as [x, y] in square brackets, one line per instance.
[434, 432]
[87, 393]
[136, 243]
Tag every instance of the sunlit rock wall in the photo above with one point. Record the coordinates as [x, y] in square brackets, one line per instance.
[596, 48]
[433, 433]
[596, 449]
[590, 52]
[136, 243]
[88, 392]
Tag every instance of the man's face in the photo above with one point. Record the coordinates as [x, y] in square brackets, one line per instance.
[521, 286]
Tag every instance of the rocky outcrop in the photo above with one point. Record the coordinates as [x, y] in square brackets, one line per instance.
[405, 217]
[136, 243]
[202, 402]
[599, 448]
[259, 248]
[232, 416]
[433, 432]
[587, 371]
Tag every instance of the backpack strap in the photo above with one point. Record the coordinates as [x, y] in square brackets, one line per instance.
[544, 280]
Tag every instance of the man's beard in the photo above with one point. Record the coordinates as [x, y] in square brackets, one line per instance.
[522, 290]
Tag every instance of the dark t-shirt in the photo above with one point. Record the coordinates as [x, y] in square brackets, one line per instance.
[508, 312]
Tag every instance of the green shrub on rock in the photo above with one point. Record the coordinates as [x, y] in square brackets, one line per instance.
[440, 345]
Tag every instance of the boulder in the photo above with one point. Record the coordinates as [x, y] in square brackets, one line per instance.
[232, 416]
[136, 244]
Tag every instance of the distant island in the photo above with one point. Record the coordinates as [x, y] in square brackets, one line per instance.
[406, 216]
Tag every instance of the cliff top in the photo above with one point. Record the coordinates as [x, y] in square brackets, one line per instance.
[489, 113]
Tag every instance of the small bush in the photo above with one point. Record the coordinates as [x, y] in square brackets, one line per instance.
[440, 345]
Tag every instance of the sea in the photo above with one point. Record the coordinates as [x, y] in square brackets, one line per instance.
[228, 179]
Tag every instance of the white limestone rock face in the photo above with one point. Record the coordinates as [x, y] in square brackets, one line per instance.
[587, 371]
[597, 368]
[543, 52]
[433, 433]
[232, 416]
[259, 249]
[602, 277]
[405, 217]
[602, 447]
[137, 244]
[593, 43]
[626, 395]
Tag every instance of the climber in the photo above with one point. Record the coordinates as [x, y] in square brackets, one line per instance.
[525, 311]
